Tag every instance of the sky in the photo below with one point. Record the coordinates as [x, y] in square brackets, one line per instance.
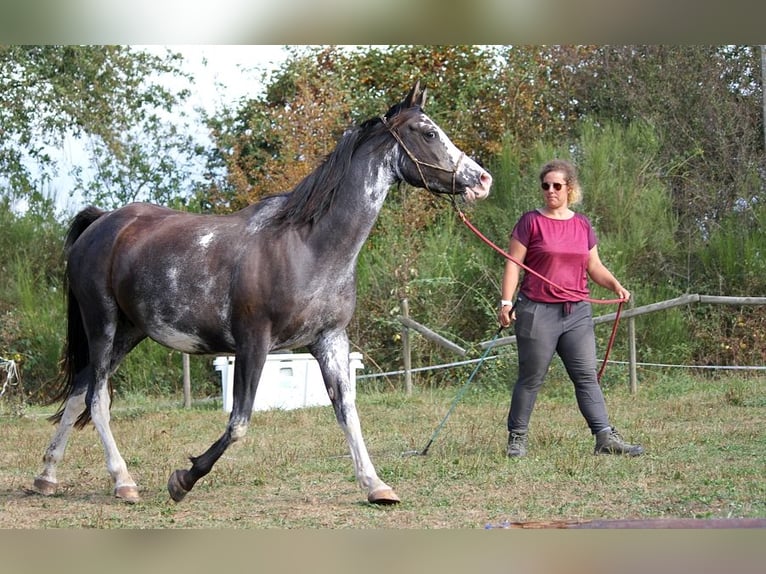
[223, 74]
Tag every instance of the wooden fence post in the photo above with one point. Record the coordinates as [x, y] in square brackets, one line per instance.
[406, 350]
[187, 381]
[632, 349]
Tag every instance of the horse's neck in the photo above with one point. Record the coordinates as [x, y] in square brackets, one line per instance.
[357, 204]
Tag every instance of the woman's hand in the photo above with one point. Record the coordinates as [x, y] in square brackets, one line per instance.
[506, 315]
[622, 293]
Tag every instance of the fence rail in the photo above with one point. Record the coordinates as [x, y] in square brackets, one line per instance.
[629, 314]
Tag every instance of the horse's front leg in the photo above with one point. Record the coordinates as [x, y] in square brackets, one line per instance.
[247, 372]
[332, 356]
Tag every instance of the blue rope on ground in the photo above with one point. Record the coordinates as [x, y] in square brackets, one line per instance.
[461, 393]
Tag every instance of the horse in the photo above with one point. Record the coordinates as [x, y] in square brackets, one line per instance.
[277, 275]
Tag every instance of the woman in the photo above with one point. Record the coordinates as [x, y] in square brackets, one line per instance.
[561, 246]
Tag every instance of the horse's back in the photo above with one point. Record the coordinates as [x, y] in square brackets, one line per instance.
[94, 228]
[146, 226]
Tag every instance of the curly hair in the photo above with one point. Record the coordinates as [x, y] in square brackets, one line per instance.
[574, 194]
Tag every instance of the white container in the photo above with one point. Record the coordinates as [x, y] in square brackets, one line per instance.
[288, 381]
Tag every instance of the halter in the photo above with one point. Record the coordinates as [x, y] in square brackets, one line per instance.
[418, 163]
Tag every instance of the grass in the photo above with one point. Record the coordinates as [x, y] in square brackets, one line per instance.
[705, 442]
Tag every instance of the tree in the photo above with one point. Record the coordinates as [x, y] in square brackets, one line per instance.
[704, 103]
[109, 97]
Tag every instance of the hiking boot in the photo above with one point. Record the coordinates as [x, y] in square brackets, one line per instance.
[517, 444]
[608, 441]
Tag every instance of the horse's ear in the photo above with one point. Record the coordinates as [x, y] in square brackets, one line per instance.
[416, 96]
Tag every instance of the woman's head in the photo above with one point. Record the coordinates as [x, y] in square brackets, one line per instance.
[574, 193]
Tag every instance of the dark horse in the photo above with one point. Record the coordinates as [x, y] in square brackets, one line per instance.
[279, 274]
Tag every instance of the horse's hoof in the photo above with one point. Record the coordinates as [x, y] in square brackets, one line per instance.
[383, 496]
[44, 487]
[127, 493]
[175, 486]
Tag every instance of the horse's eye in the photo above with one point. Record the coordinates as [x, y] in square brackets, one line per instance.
[430, 134]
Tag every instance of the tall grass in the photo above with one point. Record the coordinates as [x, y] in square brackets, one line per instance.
[33, 327]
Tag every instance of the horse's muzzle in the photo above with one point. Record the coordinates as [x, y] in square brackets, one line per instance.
[481, 189]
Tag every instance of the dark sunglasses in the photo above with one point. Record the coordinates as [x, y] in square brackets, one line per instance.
[557, 186]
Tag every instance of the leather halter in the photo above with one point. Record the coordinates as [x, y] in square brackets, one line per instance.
[418, 163]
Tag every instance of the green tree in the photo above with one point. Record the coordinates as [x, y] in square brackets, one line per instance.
[704, 103]
[109, 97]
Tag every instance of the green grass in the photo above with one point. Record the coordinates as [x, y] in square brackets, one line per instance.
[705, 442]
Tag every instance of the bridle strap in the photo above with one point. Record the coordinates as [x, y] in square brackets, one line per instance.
[418, 163]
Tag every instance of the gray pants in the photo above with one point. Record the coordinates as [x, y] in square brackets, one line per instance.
[566, 329]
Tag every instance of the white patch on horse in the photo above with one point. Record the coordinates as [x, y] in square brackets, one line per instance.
[257, 222]
[223, 311]
[177, 340]
[340, 367]
[205, 240]
[238, 430]
[173, 278]
[377, 183]
[452, 150]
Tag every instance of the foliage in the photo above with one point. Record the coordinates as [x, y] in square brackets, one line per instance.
[151, 370]
[621, 175]
[31, 319]
[107, 96]
[667, 140]
[732, 260]
[705, 105]
[31, 329]
[731, 263]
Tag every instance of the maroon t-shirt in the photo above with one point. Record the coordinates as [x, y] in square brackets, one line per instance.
[557, 249]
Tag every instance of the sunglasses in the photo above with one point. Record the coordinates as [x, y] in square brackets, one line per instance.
[557, 186]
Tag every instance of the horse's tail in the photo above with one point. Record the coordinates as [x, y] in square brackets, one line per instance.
[75, 355]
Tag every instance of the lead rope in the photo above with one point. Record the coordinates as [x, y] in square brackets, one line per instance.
[456, 399]
[418, 163]
[564, 290]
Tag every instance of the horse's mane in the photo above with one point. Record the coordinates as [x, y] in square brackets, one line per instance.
[313, 196]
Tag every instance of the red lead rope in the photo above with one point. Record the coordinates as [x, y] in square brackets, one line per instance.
[510, 257]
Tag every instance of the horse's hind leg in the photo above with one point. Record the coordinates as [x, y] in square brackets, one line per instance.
[105, 359]
[46, 482]
[124, 485]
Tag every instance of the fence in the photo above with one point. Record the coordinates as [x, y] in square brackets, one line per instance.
[630, 314]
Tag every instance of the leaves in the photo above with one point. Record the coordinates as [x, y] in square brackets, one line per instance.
[112, 98]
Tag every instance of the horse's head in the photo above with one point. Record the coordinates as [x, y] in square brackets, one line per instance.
[429, 159]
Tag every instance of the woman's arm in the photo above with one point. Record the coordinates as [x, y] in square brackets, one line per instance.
[602, 276]
[510, 279]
